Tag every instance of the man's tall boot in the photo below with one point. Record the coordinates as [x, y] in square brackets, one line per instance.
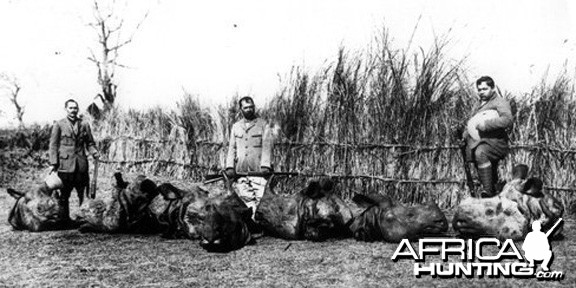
[485, 174]
[64, 201]
[498, 184]
[474, 178]
[65, 216]
[81, 194]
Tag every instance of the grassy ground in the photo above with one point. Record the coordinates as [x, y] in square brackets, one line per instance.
[70, 258]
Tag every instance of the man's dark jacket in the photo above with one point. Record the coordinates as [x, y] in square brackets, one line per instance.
[68, 145]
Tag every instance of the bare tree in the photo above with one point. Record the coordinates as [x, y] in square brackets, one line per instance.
[109, 25]
[11, 84]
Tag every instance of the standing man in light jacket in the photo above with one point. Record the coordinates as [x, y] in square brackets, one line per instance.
[70, 139]
[249, 150]
[486, 152]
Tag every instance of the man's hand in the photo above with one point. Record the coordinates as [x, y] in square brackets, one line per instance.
[465, 134]
[266, 170]
[230, 173]
[481, 126]
[459, 132]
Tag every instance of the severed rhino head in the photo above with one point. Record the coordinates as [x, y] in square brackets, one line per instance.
[509, 215]
[384, 220]
[224, 225]
[123, 208]
[496, 216]
[315, 213]
[215, 216]
[169, 209]
[533, 202]
[36, 210]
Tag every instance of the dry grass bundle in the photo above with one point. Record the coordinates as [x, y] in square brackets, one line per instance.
[197, 125]
[227, 115]
[128, 140]
[544, 124]
[377, 105]
[297, 105]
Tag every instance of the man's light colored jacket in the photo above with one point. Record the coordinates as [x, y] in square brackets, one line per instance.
[67, 148]
[250, 146]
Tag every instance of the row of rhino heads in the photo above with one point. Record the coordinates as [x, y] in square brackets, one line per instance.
[218, 218]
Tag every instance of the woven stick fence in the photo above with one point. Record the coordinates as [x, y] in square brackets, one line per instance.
[410, 173]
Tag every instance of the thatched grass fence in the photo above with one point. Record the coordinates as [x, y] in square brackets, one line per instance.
[407, 173]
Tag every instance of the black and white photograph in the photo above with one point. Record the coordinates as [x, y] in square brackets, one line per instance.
[287, 143]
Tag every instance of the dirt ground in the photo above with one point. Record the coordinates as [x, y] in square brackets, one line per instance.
[72, 259]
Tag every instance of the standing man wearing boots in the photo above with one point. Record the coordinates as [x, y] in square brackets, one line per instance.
[249, 150]
[70, 139]
[492, 143]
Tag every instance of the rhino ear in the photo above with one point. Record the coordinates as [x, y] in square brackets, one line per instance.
[245, 213]
[169, 192]
[326, 184]
[120, 183]
[313, 190]
[551, 207]
[16, 194]
[148, 186]
[364, 200]
[520, 171]
[533, 187]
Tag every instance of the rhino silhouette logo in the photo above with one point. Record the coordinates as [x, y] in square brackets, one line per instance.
[536, 245]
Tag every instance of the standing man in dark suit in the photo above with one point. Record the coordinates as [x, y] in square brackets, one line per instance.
[70, 139]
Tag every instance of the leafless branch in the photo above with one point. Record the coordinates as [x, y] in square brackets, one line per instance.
[12, 85]
[109, 25]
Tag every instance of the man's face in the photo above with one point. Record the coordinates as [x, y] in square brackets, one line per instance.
[485, 92]
[536, 226]
[248, 110]
[72, 110]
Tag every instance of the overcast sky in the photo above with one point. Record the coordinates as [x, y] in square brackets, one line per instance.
[215, 49]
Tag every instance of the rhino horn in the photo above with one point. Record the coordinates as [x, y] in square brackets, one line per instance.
[533, 186]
